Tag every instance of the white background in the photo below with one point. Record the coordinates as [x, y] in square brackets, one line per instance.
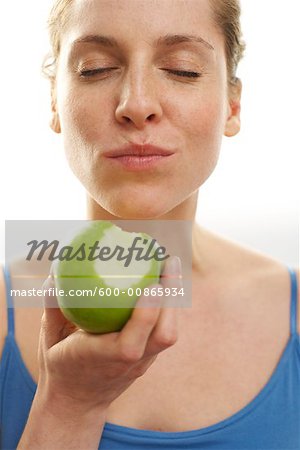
[253, 195]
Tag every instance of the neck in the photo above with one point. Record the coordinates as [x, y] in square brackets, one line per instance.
[184, 211]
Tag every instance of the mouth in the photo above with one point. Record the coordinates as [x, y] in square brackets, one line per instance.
[138, 157]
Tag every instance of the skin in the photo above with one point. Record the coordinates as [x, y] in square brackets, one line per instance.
[141, 101]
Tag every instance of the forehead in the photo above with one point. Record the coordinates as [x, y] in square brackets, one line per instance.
[141, 20]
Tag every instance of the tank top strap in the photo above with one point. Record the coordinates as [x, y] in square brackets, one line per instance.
[9, 303]
[294, 296]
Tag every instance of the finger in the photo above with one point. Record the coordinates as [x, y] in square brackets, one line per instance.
[133, 338]
[172, 273]
[165, 332]
[55, 326]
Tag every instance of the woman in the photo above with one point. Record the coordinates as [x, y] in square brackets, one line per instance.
[223, 374]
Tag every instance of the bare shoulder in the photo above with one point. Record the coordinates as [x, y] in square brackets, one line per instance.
[298, 309]
[247, 274]
[27, 316]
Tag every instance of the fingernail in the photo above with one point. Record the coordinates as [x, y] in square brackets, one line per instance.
[48, 283]
[175, 265]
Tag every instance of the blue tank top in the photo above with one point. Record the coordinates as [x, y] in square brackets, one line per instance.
[271, 421]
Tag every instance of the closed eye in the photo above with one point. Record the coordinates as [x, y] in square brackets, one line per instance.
[91, 72]
[184, 73]
[180, 73]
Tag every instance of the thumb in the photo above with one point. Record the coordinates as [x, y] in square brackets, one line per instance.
[55, 325]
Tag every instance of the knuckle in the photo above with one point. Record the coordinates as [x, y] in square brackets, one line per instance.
[167, 339]
[129, 355]
[139, 371]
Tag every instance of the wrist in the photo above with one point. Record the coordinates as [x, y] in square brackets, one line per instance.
[64, 404]
[57, 422]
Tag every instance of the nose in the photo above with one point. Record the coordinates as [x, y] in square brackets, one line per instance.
[138, 102]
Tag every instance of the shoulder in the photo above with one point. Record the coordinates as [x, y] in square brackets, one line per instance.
[250, 278]
[297, 272]
[27, 316]
[28, 308]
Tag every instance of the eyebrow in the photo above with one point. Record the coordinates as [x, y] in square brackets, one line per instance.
[174, 39]
[167, 40]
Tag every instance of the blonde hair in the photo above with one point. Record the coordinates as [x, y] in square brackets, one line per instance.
[226, 15]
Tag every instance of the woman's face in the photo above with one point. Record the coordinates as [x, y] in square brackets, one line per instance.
[164, 84]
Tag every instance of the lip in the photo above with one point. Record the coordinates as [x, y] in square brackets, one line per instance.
[138, 150]
[135, 157]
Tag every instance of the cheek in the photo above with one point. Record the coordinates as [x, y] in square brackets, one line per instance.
[206, 121]
[202, 122]
[85, 123]
[83, 116]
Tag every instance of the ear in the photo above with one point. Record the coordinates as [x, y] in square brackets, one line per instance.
[233, 122]
[54, 122]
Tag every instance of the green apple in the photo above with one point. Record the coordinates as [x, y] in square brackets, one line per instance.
[100, 284]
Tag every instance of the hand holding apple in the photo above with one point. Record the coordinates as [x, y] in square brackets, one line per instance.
[88, 371]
